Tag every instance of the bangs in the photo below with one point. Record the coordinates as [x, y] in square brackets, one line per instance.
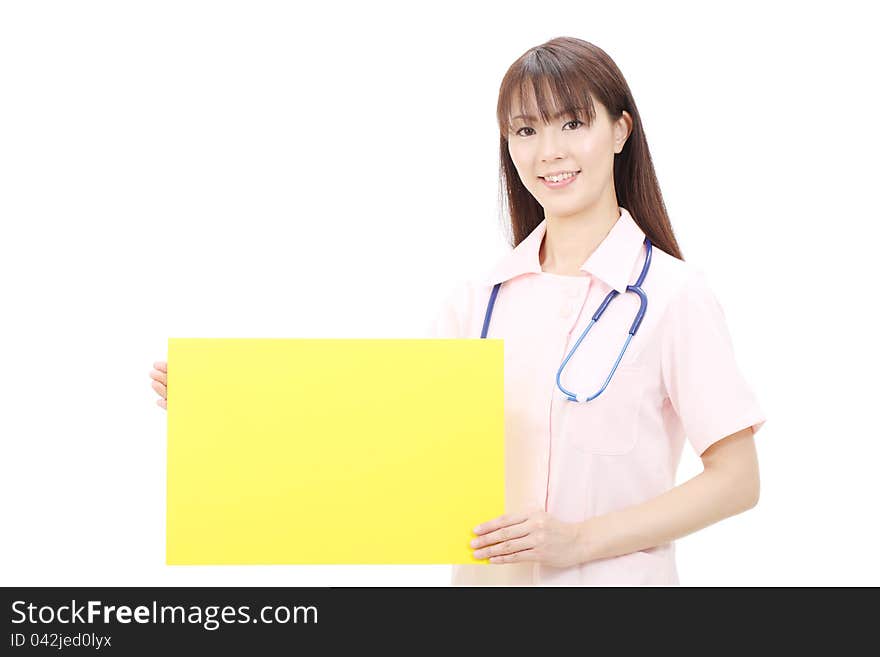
[541, 87]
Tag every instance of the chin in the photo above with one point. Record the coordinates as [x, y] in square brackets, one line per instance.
[561, 211]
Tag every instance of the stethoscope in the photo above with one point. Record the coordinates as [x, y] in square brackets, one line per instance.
[643, 306]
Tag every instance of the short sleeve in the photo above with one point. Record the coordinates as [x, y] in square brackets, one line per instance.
[700, 374]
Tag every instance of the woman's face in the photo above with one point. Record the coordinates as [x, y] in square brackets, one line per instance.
[567, 146]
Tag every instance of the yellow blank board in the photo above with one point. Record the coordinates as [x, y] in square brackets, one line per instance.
[332, 451]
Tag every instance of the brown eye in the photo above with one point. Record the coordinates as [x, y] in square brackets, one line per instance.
[579, 123]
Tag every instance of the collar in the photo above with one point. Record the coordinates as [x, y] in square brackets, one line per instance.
[612, 261]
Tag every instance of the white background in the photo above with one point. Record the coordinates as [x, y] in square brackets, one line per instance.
[257, 169]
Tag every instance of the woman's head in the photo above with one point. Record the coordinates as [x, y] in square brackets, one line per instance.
[564, 106]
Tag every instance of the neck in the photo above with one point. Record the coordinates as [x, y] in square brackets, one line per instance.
[569, 240]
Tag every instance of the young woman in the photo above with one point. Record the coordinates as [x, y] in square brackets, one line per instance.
[615, 349]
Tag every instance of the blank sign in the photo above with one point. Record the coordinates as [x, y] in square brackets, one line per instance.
[332, 451]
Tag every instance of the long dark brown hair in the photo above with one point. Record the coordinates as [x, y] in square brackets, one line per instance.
[574, 72]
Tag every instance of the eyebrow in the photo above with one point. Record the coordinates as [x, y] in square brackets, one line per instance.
[529, 117]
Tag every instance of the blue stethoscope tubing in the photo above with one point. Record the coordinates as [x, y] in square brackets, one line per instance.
[643, 306]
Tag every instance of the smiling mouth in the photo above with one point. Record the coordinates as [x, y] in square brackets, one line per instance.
[559, 184]
[575, 172]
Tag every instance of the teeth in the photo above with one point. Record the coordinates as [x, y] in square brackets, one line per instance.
[560, 177]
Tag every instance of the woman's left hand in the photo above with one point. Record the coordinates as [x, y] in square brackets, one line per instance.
[530, 536]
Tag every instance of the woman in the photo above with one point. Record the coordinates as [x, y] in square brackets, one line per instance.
[591, 460]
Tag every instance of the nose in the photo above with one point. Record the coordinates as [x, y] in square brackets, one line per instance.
[550, 146]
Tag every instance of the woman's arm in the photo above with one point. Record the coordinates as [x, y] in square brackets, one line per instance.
[728, 485]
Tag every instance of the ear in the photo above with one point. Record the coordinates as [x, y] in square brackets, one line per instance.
[622, 130]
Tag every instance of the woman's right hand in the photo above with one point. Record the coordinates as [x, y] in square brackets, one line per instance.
[159, 374]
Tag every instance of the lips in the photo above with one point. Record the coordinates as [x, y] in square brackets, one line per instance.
[561, 183]
[559, 173]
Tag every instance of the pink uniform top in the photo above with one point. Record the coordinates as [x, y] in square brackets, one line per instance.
[677, 380]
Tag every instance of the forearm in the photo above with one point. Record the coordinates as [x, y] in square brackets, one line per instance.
[697, 503]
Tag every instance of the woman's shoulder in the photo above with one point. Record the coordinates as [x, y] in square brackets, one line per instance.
[672, 278]
[672, 272]
[458, 306]
[679, 292]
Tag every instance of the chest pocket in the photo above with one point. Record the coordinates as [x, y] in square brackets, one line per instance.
[607, 425]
